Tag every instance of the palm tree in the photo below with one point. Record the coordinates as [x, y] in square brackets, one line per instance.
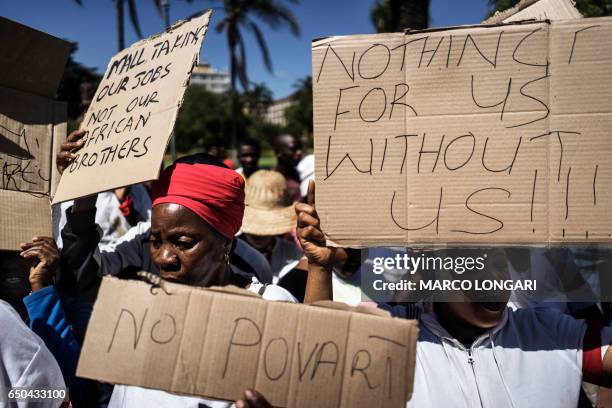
[238, 16]
[397, 15]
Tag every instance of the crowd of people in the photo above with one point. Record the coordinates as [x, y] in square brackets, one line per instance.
[204, 224]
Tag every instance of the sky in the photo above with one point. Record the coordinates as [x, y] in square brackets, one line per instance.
[93, 26]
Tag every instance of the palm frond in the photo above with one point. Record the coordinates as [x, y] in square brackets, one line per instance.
[276, 15]
[134, 17]
[265, 53]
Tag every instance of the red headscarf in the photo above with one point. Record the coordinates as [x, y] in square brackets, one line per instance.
[214, 193]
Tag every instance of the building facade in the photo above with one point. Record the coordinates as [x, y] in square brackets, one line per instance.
[213, 80]
[276, 111]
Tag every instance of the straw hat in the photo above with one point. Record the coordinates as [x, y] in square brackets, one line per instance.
[269, 209]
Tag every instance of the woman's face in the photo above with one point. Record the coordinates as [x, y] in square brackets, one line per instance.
[186, 249]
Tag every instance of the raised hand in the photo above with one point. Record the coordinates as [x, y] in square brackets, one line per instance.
[74, 142]
[45, 251]
[309, 232]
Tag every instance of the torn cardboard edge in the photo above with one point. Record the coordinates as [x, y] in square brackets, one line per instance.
[537, 10]
[204, 342]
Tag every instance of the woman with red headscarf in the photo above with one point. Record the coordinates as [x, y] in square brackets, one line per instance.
[198, 204]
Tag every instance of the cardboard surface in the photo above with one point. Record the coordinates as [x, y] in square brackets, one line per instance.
[481, 135]
[30, 60]
[30, 126]
[216, 344]
[132, 115]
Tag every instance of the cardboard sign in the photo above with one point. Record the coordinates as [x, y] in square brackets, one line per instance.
[132, 115]
[215, 344]
[482, 135]
[31, 127]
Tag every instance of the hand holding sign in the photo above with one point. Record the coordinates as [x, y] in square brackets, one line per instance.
[309, 232]
[74, 142]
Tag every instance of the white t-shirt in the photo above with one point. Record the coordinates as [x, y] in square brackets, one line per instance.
[532, 358]
[25, 361]
[130, 396]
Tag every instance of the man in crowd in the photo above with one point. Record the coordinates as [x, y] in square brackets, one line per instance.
[289, 151]
[481, 353]
[249, 153]
[268, 217]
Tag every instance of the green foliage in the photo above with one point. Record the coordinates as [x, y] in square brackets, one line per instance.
[588, 8]
[299, 114]
[389, 16]
[257, 99]
[204, 118]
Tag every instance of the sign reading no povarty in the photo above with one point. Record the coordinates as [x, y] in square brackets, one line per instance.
[218, 342]
[469, 135]
[132, 115]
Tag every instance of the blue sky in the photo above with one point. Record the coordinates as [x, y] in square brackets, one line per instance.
[93, 27]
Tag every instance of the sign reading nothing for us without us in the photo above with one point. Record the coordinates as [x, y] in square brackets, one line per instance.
[469, 135]
[132, 115]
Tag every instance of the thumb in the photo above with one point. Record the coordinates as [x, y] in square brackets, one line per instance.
[310, 195]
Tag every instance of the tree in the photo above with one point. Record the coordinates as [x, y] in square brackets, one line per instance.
[203, 118]
[239, 16]
[257, 99]
[299, 115]
[588, 8]
[396, 15]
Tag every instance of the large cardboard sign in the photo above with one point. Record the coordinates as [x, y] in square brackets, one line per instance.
[31, 127]
[216, 344]
[470, 135]
[132, 115]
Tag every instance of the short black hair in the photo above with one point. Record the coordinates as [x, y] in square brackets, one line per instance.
[275, 140]
[201, 158]
[250, 142]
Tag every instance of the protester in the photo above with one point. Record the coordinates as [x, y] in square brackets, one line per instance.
[84, 261]
[289, 151]
[14, 280]
[249, 153]
[198, 205]
[269, 215]
[473, 353]
[216, 148]
[25, 361]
